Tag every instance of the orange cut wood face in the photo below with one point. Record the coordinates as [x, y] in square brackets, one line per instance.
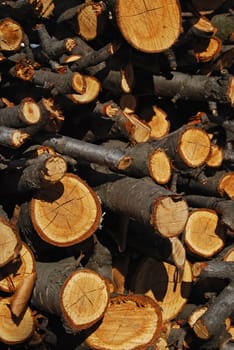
[149, 25]
[66, 213]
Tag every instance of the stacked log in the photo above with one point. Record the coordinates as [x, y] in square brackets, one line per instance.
[116, 174]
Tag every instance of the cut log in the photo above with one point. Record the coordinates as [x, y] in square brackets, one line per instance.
[148, 26]
[207, 52]
[223, 305]
[92, 89]
[44, 170]
[78, 296]
[220, 184]
[91, 20]
[159, 280]
[85, 151]
[146, 202]
[154, 163]
[14, 273]
[52, 47]
[9, 240]
[67, 212]
[57, 83]
[11, 34]
[130, 322]
[216, 156]
[27, 113]
[13, 138]
[129, 125]
[223, 207]
[158, 121]
[13, 331]
[195, 87]
[201, 233]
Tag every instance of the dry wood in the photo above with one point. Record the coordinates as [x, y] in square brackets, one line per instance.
[154, 163]
[223, 207]
[205, 52]
[57, 83]
[157, 119]
[67, 212]
[148, 26]
[130, 125]
[11, 137]
[158, 203]
[220, 184]
[201, 233]
[27, 113]
[86, 151]
[160, 281]
[52, 47]
[11, 34]
[10, 241]
[195, 87]
[44, 170]
[210, 322]
[18, 270]
[78, 296]
[216, 156]
[130, 322]
[15, 331]
[91, 20]
[92, 89]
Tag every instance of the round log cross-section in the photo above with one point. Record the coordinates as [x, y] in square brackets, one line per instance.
[130, 322]
[161, 282]
[149, 26]
[12, 332]
[11, 35]
[66, 213]
[79, 296]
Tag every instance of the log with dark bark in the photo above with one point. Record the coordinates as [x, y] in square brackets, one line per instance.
[78, 296]
[85, 151]
[158, 203]
[116, 152]
[62, 214]
[210, 323]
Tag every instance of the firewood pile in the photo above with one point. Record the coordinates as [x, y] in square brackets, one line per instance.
[117, 174]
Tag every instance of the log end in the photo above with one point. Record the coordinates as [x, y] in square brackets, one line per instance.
[149, 26]
[15, 272]
[67, 212]
[8, 242]
[169, 215]
[11, 35]
[31, 113]
[84, 298]
[54, 169]
[161, 282]
[15, 331]
[130, 322]
[92, 89]
[216, 156]
[200, 235]
[226, 185]
[194, 147]
[160, 168]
